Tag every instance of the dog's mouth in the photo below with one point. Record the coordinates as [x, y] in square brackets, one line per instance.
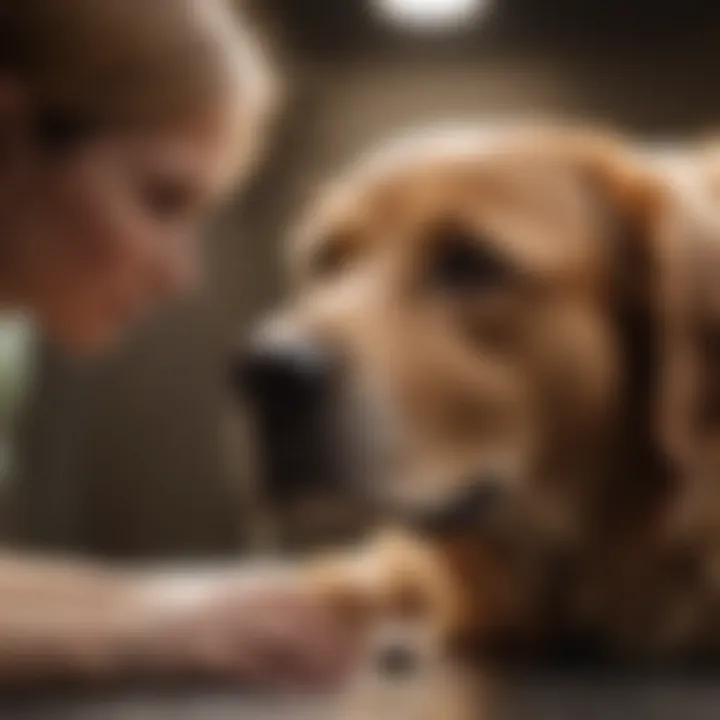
[326, 480]
[327, 454]
[471, 508]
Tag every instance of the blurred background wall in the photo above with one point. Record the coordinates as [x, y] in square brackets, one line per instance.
[132, 457]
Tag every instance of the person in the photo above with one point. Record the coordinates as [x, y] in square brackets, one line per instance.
[121, 123]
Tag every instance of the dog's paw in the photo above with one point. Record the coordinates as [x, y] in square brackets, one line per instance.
[396, 576]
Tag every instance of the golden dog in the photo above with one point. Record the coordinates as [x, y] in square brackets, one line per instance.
[508, 341]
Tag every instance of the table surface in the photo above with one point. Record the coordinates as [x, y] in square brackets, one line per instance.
[539, 698]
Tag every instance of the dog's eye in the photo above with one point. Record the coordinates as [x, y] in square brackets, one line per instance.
[462, 262]
[329, 257]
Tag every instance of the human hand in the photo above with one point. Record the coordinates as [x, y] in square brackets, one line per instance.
[264, 629]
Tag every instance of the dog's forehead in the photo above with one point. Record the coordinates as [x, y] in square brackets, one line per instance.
[425, 146]
[417, 154]
[440, 163]
[517, 182]
[395, 163]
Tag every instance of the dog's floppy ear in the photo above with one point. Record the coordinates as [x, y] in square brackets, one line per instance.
[651, 274]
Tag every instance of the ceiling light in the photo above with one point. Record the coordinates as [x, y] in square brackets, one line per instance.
[430, 14]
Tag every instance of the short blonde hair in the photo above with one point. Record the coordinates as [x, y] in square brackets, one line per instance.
[124, 61]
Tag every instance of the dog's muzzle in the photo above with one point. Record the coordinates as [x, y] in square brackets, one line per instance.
[291, 386]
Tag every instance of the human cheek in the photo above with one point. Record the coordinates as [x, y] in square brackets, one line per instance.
[178, 271]
[86, 224]
[133, 241]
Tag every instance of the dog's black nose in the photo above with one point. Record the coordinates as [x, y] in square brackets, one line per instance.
[288, 377]
[287, 384]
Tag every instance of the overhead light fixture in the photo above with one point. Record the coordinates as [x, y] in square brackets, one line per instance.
[430, 14]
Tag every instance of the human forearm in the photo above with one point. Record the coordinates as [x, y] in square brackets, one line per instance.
[78, 621]
[62, 618]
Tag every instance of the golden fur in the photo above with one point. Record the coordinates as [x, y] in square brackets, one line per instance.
[587, 383]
